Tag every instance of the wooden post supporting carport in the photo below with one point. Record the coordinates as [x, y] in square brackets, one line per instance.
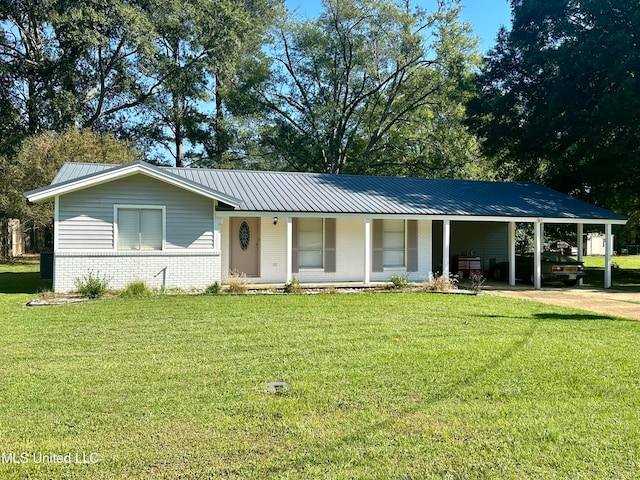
[446, 248]
[608, 251]
[367, 251]
[512, 253]
[538, 231]
[580, 247]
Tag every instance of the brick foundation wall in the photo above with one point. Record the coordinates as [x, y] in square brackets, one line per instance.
[167, 269]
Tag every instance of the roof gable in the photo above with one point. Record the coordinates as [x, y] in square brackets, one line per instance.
[79, 176]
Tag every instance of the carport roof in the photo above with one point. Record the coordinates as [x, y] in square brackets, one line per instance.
[311, 193]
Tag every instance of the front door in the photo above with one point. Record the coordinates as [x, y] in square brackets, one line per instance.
[245, 246]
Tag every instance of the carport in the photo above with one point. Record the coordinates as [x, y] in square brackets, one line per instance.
[576, 213]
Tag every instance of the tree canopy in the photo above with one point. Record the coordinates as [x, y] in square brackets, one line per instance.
[39, 160]
[560, 99]
[145, 70]
[370, 87]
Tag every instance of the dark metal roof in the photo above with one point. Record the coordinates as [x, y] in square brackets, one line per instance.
[288, 192]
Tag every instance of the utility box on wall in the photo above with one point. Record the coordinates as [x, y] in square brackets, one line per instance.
[46, 265]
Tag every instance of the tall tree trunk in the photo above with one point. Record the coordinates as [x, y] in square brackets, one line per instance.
[220, 136]
[178, 111]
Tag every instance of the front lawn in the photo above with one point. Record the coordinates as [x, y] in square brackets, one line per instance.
[382, 386]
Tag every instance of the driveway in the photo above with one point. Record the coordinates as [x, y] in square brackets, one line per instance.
[616, 303]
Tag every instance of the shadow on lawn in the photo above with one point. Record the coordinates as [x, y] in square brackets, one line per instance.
[571, 316]
[23, 282]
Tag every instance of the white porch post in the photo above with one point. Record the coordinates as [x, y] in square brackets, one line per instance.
[56, 227]
[608, 250]
[217, 237]
[217, 243]
[446, 247]
[367, 251]
[289, 249]
[512, 253]
[537, 254]
[580, 248]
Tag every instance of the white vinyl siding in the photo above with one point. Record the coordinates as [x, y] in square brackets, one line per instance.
[140, 228]
[486, 240]
[310, 242]
[393, 243]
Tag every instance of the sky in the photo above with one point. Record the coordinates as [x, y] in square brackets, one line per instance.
[486, 16]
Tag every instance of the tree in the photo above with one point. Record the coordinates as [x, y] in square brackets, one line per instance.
[350, 90]
[560, 100]
[25, 44]
[73, 62]
[199, 45]
[153, 70]
[39, 160]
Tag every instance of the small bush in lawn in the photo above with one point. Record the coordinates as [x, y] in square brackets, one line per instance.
[213, 289]
[92, 285]
[293, 286]
[441, 283]
[136, 289]
[399, 282]
[476, 281]
[237, 282]
[46, 295]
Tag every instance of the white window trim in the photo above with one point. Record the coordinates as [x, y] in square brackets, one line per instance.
[396, 268]
[312, 269]
[138, 206]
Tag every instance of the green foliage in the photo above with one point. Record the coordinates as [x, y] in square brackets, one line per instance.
[560, 101]
[136, 289]
[92, 285]
[74, 63]
[142, 70]
[293, 286]
[399, 282]
[203, 47]
[214, 289]
[371, 88]
[39, 160]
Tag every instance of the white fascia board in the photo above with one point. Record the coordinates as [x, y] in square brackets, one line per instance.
[586, 221]
[455, 218]
[47, 193]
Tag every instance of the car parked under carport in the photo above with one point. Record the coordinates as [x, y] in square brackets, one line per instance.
[555, 266]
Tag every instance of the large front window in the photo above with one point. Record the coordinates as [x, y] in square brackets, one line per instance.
[139, 228]
[310, 242]
[393, 243]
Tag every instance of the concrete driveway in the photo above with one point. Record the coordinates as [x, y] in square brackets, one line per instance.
[616, 303]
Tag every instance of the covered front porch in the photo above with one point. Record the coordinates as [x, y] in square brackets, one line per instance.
[348, 247]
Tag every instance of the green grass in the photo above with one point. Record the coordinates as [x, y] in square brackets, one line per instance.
[396, 385]
[626, 262]
[625, 277]
[22, 276]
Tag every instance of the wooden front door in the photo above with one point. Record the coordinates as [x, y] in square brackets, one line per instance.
[245, 246]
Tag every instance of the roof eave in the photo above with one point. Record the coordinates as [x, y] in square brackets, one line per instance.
[456, 217]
